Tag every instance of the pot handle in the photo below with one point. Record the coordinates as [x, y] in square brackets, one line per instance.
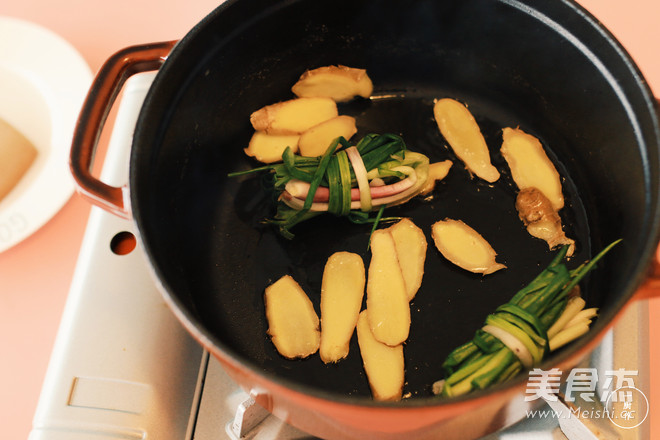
[102, 94]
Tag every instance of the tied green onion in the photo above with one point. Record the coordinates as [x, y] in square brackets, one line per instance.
[314, 184]
[539, 318]
[385, 157]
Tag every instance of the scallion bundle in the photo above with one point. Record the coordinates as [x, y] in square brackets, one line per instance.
[541, 317]
[349, 181]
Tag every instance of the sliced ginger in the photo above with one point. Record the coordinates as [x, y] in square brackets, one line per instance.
[462, 132]
[293, 116]
[339, 83]
[292, 322]
[342, 290]
[540, 197]
[410, 244]
[387, 298]
[530, 166]
[315, 140]
[541, 220]
[437, 172]
[383, 364]
[464, 247]
[268, 148]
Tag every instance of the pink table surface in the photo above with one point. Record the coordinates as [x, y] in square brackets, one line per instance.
[35, 275]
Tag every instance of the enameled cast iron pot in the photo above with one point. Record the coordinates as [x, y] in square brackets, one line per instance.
[546, 66]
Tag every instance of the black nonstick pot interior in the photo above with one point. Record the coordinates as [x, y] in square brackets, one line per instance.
[545, 66]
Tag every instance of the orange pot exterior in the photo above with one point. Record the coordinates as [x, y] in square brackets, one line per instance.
[651, 287]
[469, 419]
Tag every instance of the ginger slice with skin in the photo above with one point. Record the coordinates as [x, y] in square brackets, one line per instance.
[315, 140]
[541, 219]
[268, 148]
[292, 322]
[462, 132]
[383, 364]
[410, 243]
[294, 116]
[387, 299]
[540, 197]
[340, 83]
[342, 289]
[530, 165]
[464, 247]
[437, 172]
